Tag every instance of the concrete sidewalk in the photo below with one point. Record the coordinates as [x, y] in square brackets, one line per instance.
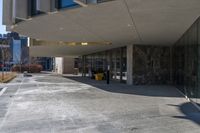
[52, 104]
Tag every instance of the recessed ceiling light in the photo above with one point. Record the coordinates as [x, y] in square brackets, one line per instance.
[61, 42]
[61, 28]
[129, 25]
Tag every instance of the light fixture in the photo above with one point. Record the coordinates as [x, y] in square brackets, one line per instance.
[84, 43]
[62, 43]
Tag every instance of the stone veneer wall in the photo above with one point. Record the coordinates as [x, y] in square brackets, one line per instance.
[151, 64]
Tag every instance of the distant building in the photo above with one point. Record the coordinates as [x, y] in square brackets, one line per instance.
[20, 51]
[18, 47]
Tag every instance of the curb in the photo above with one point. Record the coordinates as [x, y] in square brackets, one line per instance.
[9, 79]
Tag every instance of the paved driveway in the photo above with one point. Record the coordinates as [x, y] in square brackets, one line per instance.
[50, 104]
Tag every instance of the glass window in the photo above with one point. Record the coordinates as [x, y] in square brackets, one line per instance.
[124, 64]
[186, 63]
[66, 3]
[33, 7]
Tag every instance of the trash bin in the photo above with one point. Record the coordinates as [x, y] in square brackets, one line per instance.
[99, 76]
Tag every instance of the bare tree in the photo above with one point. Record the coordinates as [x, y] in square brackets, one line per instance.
[5, 55]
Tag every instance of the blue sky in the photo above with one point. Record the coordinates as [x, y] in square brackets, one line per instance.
[2, 28]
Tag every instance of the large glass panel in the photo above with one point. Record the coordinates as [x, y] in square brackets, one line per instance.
[186, 63]
[198, 59]
[178, 66]
[113, 64]
[33, 7]
[118, 63]
[87, 65]
[66, 3]
[124, 64]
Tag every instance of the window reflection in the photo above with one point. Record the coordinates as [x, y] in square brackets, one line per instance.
[116, 58]
[66, 3]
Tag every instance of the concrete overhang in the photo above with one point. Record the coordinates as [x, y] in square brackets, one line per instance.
[120, 22]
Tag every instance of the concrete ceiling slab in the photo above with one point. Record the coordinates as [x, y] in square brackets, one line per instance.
[120, 22]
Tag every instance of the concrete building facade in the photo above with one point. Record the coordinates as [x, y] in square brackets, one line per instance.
[141, 42]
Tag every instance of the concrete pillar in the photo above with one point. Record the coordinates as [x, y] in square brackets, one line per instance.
[68, 65]
[21, 9]
[129, 64]
[44, 5]
[7, 12]
[59, 65]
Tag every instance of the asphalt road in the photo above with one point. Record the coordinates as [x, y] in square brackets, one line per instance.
[47, 103]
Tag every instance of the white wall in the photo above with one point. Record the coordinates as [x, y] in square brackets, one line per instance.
[64, 65]
[59, 65]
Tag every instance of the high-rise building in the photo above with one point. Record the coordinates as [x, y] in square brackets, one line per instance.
[18, 48]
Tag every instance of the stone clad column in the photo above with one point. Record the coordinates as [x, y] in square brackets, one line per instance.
[129, 64]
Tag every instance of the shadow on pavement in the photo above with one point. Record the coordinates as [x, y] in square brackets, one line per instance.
[190, 111]
[116, 87]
